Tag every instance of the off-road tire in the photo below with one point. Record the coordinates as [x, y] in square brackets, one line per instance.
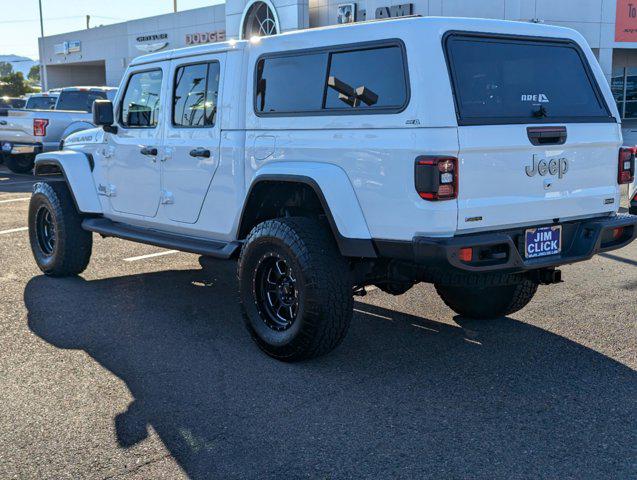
[20, 163]
[71, 251]
[323, 282]
[487, 301]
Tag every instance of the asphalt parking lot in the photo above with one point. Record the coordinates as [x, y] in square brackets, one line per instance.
[141, 368]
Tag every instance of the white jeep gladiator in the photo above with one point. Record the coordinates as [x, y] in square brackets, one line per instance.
[476, 155]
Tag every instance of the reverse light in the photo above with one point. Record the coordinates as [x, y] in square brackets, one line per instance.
[436, 177]
[39, 127]
[626, 171]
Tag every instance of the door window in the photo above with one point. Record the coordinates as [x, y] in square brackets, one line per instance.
[140, 105]
[195, 96]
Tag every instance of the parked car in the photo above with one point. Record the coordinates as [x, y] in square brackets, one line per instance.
[384, 153]
[42, 101]
[25, 133]
[12, 102]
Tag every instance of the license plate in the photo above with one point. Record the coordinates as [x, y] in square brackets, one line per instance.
[543, 241]
[18, 149]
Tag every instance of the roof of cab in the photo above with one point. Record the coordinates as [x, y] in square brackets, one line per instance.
[436, 25]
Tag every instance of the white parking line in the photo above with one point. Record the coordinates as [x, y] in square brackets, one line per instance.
[424, 328]
[13, 230]
[373, 314]
[10, 184]
[151, 255]
[11, 200]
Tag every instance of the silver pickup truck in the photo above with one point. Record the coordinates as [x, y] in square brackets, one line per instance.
[25, 133]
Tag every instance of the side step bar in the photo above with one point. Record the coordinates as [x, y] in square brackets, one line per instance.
[200, 246]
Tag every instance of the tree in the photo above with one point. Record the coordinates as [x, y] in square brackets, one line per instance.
[5, 69]
[14, 85]
[34, 74]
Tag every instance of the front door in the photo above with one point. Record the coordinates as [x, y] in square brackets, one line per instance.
[134, 168]
[192, 136]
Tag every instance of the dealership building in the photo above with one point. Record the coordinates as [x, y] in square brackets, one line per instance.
[99, 56]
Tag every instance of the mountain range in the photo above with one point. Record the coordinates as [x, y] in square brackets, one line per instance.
[20, 64]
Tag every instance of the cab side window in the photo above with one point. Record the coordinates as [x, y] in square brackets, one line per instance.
[372, 78]
[196, 91]
[333, 81]
[140, 105]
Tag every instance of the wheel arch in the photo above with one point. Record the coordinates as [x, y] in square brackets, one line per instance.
[353, 238]
[76, 168]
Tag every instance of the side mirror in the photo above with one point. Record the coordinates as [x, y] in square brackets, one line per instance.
[103, 115]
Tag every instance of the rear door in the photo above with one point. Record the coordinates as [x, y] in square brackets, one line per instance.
[537, 140]
[192, 136]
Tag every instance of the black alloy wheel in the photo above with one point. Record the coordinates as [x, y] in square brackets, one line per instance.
[45, 230]
[276, 291]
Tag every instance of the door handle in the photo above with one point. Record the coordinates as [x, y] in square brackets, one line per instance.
[200, 152]
[150, 151]
[3, 122]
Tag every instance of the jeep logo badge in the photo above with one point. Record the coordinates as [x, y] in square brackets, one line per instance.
[554, 166]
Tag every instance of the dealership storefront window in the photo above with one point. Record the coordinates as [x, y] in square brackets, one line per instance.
[624, 87]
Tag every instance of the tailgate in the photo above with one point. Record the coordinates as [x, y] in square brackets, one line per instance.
[516, 183]
[537, 141]
[16, 127]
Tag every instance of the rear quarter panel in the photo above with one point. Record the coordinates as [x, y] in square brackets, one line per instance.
[376, 151]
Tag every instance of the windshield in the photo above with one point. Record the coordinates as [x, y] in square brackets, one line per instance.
[504, 80]
[41, 103]
[78, 100]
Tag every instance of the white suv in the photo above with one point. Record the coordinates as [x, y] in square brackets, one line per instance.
[476, 155]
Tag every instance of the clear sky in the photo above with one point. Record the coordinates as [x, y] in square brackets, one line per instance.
[20, 20]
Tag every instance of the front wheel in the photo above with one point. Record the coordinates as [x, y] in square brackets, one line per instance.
[295, 288]
[20, 163]
[61, 247]
[484, 302]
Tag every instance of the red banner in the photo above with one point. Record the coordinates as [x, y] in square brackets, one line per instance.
[626, 21]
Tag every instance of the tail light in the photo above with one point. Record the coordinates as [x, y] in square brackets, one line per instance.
[39, 127]
[436, 177]
[626, 172]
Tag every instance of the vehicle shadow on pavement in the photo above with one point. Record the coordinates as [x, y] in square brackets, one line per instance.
[498, 399]
[15, 183]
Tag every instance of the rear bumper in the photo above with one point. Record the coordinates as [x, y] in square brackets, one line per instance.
[503, 251]
[17, 148]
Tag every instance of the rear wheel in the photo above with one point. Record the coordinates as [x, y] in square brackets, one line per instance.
[488, 301]
[20, 163]
[295, 287]
[61, 247]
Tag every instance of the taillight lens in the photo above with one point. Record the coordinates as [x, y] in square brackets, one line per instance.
[626, 173]
[39, 127]
[436, 177]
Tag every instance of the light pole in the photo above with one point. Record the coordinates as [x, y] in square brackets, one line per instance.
[175, 6]
[41, 49]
